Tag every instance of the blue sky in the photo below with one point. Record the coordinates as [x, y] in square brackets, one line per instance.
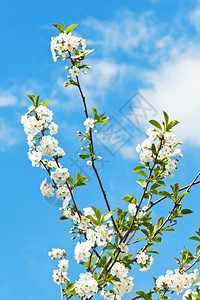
[150, 46]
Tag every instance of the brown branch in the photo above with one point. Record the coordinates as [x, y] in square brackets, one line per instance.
[92, 144]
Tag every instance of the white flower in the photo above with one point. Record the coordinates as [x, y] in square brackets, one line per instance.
[63, 264]
[53, 128]
[35, 157]
[189, 292]
[177, 281]
[57, 253]
[89, 123]
[83, 224]
[74, 71]
[63, 193]
[47, 189]
[146, 156]
[60, 175]
[124, 249]
[86, 286]
[48, 145]
[67, 213]
[169, 138]
[132, 208]
[91, 235]
[119, 270]
[142, 258]
[89, 162]
[152, 133]
[146, 143]
[103, 235]
[88, 211]
[82, 251]
[160, 281]
[59, 276]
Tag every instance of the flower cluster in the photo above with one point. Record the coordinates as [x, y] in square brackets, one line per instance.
[82, 251]
[64, 43]
[191, 293]
[100, 235]
[143, 259]
[86, 286]
[89, 123]
[44, 150]
[164, 151]
[177, 281]
[132, 208]
[60, 274]
[124, 285]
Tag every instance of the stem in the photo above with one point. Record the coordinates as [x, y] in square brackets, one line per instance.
[181, 189]
[93, 164]
[144, 192]
[194, 262]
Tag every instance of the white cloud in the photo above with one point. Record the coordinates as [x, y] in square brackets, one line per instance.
[9, 135]
[175, 87]
[104, 76]
[124, 32]
[7, 99]
[194, 17]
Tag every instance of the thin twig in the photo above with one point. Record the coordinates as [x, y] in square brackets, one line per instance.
[92, 144]
[194, 262]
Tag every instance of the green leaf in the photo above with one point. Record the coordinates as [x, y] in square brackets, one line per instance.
[84, 156]
[37, 100]
[79, 181]
[70, 178]
[153, 148]
[168, 228]
[70, 28]
[111, 255]
[139, 168]
[45, 103]
[62, 218]
[166, 117]
[130, 199]
[58, 26]
[87, 52]
[186, 211]
[194, 238]
[172, 124]
[141, 172]
[182, 195]
[165, 194]
[156, 124]
[160, 221]
[107, 215]
[157, 239]
[94, 221]
[92, 260]
[141, 182]
[175, 189]
[95, 115]
[97, 213]
[197, 249]
[32, 98]
[153, 251]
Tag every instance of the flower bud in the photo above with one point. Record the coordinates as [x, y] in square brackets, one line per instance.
[89, 162]
[65, 84]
